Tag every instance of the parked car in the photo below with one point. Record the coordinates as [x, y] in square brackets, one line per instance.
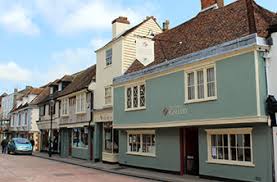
[20, 146]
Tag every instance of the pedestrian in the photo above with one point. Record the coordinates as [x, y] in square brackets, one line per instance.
[32, 142]
[4, 145]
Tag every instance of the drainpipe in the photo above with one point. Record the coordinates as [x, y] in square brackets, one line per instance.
[89, 124]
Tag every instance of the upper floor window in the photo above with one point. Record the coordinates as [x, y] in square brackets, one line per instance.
[109, 57]
[200, 85]
[230, 146]
[19, 119]
[108, 95]
[26, 118]
[135, 97]
[81, 103]
[65, 107]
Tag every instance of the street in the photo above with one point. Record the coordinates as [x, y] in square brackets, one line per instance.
[19, 168]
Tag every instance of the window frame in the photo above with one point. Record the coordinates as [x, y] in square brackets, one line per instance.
[195, 84]
[141, 133]
[228, 132]
[79, 98]
[79, 129]
[110, 57]
[139, 107]
[108, 96]
[66, 100]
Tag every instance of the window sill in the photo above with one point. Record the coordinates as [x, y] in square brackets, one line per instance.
[64, 116]
[141, 154]
[107, 66]
[106, 106]
[234, 163]
[135, 109]
[83, 148]
[80, 113]
[200, 100]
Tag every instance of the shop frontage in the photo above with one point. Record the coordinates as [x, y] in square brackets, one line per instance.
[106, 137]
[77, 142]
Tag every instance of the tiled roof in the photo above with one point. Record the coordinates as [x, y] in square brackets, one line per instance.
[43, 95]
[80, 81]
[210, 28]
[66, 78]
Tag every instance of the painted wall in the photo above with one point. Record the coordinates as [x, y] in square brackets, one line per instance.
[236, 95]
[64, 134]
[167, 151]
[80, 153]
[7, 105]
[97, 141]
[272, 67]
[262, 156]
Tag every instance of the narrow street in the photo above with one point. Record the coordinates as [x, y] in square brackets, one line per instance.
[19, 168]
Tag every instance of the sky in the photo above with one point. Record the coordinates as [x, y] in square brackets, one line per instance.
[42, 40]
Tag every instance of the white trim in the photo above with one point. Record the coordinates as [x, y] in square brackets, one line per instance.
[228, 132]
[195, 122]
[141, 154]
[80, 95]
[138, 85]
[195, 70]
[257, 83]
[62, 107]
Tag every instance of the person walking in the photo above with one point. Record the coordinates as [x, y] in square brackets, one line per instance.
[4, 145]
[32, 142]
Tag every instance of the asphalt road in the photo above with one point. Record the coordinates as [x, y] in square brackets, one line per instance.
[19, 168]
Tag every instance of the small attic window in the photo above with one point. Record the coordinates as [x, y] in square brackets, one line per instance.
[60, 86]
[51, 90]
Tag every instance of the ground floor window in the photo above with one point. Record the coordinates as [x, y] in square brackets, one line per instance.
[232, 146]
[142, 142]
[110, 138]
[80, 137]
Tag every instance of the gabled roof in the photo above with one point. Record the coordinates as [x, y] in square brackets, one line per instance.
[208, 29]
[127, 32]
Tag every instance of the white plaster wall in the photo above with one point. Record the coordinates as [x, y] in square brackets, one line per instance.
[272, 68]
[33, 119]
[105, 74]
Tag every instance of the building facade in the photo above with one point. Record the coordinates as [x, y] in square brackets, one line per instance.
[113, 60]
[24, 116]
[200, 107]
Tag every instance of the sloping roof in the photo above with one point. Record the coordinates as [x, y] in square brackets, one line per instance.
[130, 30]
[43, 95]
[80, 81]
[66, 78]
[210, 28]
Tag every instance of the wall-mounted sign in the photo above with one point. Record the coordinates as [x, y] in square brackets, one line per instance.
[145, 50]
[174, 110]
[103, 116]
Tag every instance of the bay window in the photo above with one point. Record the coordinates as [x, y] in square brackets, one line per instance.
[80, 137]
[200, 85]
[141, 143]
[81, 103]
[230, 146]
[110, 141]
[135, 97]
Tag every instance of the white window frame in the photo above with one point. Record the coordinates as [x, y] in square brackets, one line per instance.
[132, 108]
[141, 133]
[81, 103]
[65, 107]
[206, 98]
[229, 131]
[111, 57]
[106, 97]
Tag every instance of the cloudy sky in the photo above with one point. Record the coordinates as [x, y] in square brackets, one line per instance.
[41, 40]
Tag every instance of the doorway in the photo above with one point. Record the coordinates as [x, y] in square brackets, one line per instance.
[189, 151]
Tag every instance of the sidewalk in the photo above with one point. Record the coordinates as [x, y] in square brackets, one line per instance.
[123, 170]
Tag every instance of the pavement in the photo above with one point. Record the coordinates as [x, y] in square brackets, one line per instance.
[19, 168]
[123, 170]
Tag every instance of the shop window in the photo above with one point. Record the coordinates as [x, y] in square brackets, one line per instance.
[80, 137]
[110, 138]
[200, 85]
[142, 142]
[231, 146]
[135, 97]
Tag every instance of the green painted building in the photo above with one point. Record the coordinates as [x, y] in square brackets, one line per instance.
[199, 108]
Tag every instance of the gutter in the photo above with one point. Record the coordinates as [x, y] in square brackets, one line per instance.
[227, 47]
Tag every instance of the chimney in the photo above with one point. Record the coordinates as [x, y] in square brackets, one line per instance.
[120, 25]
[166, 25]
[208, 4]
[28, 87]
[15, 90]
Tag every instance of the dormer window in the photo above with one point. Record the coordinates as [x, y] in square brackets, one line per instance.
[51, 90]
[60, 87]
[109, 56]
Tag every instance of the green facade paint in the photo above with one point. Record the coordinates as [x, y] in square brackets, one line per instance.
[97, 141]
[64, 142]
[263, 83]
[236, 95]
[80, 153]
[167, 151]
[262, 156]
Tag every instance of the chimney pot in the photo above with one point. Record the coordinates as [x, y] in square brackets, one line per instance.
[121, 19]
[166, 25]
[207, 4]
